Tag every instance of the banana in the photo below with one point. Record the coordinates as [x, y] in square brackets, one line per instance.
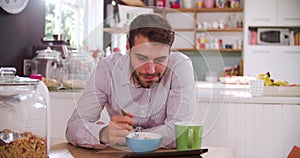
[260, 76]
[281, 83]
[268, 82]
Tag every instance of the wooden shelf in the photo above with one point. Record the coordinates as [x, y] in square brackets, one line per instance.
[184, 29]
[198, 10]
[184, 49]
[219, 10]
[222, 50]
[116, 30]
[221, 30]
[125, 30]
[207, 50]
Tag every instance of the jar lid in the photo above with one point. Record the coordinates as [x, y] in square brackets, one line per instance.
[36, 76]
[8, 78]
[46, 53]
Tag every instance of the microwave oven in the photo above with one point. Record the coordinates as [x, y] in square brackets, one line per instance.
[273, 36]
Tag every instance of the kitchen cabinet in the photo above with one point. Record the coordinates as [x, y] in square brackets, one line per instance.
[260, 12]
[272, 12]
[281, 61]
[256, 127]
[259, 60]
[187, 27]
[287, 64]
[288, 12]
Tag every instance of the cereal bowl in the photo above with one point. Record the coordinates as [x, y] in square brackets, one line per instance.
[143, 142]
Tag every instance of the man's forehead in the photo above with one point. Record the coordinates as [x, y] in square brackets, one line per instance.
[150, 45]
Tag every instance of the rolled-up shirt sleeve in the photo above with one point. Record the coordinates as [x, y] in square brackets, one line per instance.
[82, 129]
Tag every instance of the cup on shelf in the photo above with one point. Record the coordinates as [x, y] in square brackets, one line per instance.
[220, 3]
[209, 3]
[188, 3]
[199, 4]
[174, 3]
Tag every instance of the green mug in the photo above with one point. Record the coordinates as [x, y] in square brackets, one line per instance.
[188, 135]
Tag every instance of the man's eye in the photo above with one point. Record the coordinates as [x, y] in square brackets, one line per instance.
[141, 58]
[159, 60]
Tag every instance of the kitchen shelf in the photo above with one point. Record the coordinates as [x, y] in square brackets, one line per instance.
[193, 29]
[207, 50]
[221, 30]
[198, 10]
[116, 30]
[183, 29]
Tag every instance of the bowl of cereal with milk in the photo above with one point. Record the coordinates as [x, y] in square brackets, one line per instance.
[143, 142]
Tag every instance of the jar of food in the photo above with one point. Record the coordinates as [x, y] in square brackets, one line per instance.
[49, 64]
[80, 66]
[23, 117]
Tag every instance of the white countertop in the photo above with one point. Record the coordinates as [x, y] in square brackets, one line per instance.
[218, 92]
[213, 92]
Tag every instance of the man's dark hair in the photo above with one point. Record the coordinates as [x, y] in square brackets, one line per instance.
[152, 26]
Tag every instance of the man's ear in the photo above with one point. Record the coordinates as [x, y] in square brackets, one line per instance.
[127, 47]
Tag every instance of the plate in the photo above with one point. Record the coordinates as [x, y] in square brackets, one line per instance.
[282, 91]
[74, 84]
[13, 6]
[236, 79]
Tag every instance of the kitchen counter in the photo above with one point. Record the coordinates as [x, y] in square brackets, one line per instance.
[211, 92]
[254, 126]
[218, 92]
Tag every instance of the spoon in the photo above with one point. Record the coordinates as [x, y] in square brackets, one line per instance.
[7, 137]
[124, 113]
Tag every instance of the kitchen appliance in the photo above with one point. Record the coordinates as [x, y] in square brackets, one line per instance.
[273, 36]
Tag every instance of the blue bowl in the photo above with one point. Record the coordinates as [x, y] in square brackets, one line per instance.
[143, 142]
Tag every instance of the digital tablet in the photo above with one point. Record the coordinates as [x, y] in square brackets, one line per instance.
[174, 154]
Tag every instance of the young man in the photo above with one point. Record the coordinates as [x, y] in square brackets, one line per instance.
[151, 83]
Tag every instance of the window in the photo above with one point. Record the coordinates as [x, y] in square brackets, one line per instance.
[65, 17]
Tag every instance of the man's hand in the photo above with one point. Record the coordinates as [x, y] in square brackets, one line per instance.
[117, 129]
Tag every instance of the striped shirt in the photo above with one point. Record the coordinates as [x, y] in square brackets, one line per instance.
[155, 109]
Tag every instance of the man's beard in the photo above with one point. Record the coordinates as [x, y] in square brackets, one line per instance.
[145, 84]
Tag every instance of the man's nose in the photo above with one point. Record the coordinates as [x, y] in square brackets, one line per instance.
[150, 67]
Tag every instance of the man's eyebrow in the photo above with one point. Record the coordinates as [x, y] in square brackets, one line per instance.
[162, 57]
[140, 55]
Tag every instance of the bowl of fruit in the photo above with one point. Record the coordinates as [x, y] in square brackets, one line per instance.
[277, 87]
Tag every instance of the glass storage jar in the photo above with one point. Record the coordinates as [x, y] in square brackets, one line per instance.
[49, 64]
[80, 66]
[23, 117]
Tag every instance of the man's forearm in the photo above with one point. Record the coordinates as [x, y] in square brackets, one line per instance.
[83, 134]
